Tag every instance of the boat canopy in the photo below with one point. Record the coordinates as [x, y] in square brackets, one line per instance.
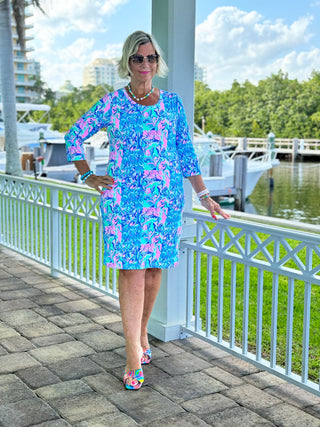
[30, 107]
[24, 110]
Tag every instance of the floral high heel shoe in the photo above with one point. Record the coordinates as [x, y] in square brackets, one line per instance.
[146, 356]
[137, 379]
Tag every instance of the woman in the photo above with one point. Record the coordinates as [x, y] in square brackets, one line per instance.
[142, 192]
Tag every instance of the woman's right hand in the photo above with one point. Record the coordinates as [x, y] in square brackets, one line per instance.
[100, 182]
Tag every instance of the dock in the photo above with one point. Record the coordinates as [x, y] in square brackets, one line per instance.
[293, 149]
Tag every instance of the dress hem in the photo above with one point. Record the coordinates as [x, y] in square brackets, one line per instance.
[120, 267]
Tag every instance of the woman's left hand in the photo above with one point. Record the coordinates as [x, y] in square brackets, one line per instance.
[214, 207]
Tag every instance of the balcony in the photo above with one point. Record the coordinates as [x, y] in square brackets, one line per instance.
[26, 37]
[16, 48]
[25, 72]
[24, 84]
[22, 59]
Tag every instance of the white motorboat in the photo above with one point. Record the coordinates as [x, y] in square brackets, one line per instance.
[30, 131]
[223, 183]
[48, 146]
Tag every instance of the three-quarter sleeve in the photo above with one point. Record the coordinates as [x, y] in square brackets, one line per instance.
[187, 156]
[90, 123]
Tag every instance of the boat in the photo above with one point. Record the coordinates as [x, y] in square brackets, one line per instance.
[221, 184]
[30, 131]
[42, 149]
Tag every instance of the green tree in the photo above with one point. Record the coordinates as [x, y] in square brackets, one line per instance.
[72, 106]
[285, 106]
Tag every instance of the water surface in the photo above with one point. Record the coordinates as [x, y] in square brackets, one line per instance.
[295, 195]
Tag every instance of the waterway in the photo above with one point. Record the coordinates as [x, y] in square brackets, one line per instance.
[295, 194]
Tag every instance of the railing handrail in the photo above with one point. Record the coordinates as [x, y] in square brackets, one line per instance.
[261, 219]
[52, 183]
[253, 139]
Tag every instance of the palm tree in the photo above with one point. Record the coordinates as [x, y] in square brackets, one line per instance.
[13, 165]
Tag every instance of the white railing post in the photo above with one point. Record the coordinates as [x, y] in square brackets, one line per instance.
[242, 143]
[54, 234]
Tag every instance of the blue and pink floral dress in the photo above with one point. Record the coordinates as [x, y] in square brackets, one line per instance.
[150, 153]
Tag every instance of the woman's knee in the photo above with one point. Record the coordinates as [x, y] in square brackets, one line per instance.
[154, 270]
[133, 277]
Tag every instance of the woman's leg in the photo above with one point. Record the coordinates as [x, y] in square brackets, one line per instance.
[131, 298]
[152, 286]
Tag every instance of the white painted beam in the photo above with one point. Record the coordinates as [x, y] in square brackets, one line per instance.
[173, 26]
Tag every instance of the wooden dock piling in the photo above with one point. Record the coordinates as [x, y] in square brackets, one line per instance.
[215, 167]
[240, 182]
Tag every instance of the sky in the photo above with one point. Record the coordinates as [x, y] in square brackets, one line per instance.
[235, 40]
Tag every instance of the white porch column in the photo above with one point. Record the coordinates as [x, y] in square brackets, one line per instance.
[173, 25]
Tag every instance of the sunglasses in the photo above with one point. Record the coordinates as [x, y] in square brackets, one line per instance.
[138, 59]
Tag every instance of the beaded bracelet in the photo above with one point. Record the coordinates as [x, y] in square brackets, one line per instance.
[85, 176]
[203, 192]
[205, 196]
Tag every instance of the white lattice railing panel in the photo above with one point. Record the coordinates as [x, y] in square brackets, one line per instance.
[273, 251]
[80, 204]
[58, 226]
[255, 290]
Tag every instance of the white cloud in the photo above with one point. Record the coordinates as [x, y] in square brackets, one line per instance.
[299, 65]
[110, 6]
[110, 51]
[70, 61]
[235, 44]
[66, 37]
[83, 16]
[67, 64]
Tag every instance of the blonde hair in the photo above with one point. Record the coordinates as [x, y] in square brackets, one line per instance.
[131, 46]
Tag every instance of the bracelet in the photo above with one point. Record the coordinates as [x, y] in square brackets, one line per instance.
[86, 175]
[206, 196]
[203, 192]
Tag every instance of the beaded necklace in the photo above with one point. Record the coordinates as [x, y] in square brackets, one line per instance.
[139, 99]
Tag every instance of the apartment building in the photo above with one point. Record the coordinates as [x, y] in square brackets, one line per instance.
[100, 71]
[25, 69]
[200, 73]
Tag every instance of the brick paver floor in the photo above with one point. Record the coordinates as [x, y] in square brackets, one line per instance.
[62, 361]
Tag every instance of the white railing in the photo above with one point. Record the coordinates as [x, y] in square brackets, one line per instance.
[253, 290]
[250, 287]
[282, 145]
[58, 226]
